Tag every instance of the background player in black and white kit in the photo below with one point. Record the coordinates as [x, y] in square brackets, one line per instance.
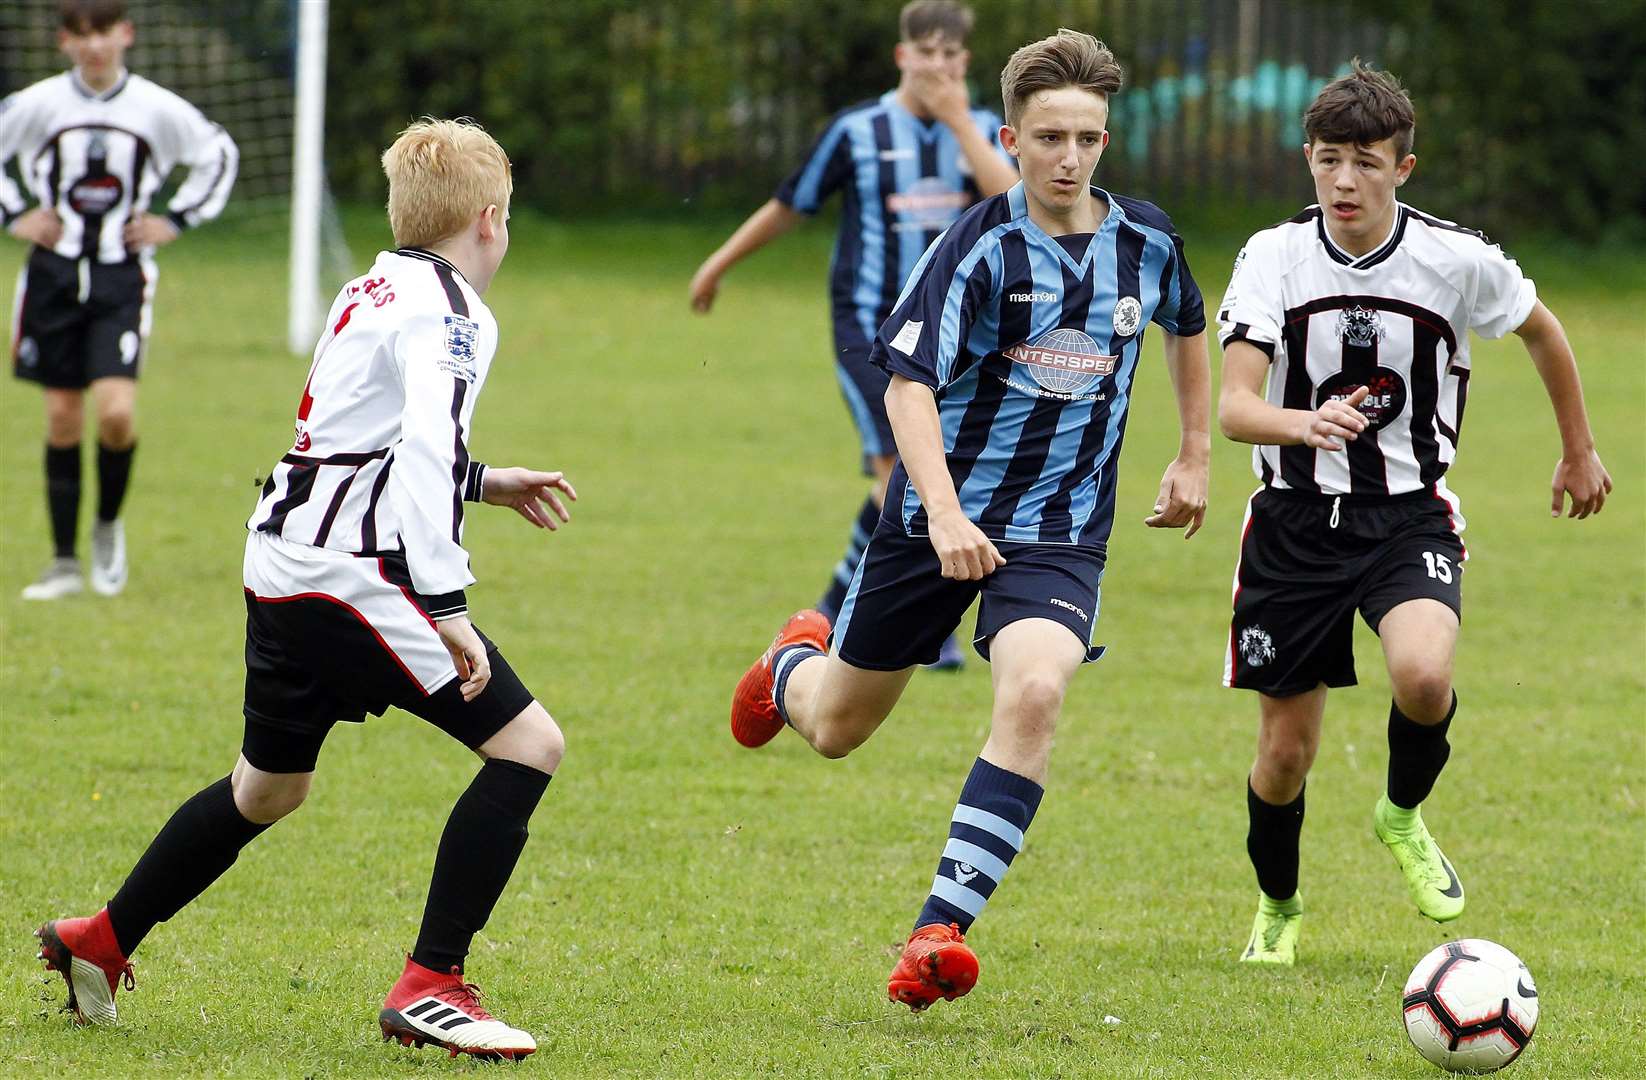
[1357, 312]
[93, 145]
[354, 583]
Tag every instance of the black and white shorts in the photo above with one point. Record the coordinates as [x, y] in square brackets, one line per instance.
[78, 320]
[334, 637]
[1309, 561]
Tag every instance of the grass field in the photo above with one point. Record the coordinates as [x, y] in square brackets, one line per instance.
[688, 908]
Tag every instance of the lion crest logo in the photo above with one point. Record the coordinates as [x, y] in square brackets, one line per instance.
[1256, 646]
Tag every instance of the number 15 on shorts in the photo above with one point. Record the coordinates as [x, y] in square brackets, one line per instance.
[1440, 567]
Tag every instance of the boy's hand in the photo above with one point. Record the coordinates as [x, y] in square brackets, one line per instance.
[149, 230]
[705, 285]
[1182, 498]
[964, 553]
[468, 654]
[1586, 480]
[39, 226]
[1338, 419]
[528, 492]
[943, 94]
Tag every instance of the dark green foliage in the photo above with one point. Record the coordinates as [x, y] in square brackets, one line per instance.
[1530, 116]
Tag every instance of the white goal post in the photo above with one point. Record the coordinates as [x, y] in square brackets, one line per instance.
[308, 176]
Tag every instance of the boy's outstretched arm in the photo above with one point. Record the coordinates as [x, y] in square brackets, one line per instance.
[1579, 472]
[761, 227]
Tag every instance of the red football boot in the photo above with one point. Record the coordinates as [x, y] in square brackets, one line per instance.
[85, 953]
[755, 720]
[428, 1007]
[935, 964]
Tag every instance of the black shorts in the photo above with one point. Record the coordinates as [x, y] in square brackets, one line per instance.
[900, 608]
[863, 388]
[1308, 561]
[77, 320]
[312, 662]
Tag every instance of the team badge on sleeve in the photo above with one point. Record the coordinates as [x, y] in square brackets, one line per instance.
[461, 335]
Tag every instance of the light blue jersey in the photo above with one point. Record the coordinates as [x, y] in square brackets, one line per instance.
[1030, 350]
[904, 180]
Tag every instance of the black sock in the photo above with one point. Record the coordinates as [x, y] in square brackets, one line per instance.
[63, 496]
[200, 842]
[1271, 841]
[113, 470]
[1417, 753]
[867, 516]
[483, 840]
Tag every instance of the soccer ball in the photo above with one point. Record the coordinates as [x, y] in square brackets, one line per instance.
[1470, 1006]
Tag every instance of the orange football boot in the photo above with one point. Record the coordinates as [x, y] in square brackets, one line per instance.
[935, 964]
[755, 720]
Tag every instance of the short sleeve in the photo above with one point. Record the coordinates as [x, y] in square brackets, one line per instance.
[1181, 310]
[824, 171]
[1504, 297]
[1252, 305]
[933, 318]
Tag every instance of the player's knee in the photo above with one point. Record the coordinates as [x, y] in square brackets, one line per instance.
[836, 743]
[63, 423]
[1289, 757]
[1035, 698]
[116, 427]
[1424, 693]
[531, 738]
[265, 798]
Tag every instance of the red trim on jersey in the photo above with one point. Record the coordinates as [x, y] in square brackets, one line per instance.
[401, 664]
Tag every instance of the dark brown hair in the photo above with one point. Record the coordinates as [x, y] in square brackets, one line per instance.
[922, 18]
[1362, 108]
[1067, 58]
[85, 16]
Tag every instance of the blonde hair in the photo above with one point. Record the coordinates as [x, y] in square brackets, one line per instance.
[1067, 58]
[442, 173]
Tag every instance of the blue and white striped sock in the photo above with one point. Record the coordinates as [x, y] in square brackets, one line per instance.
[783, 664]
[868, 515]
[994, 811]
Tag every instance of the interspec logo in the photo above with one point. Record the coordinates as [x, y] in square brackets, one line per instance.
[1065, 362]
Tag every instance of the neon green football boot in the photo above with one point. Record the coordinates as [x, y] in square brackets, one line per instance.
[1429, 875]
[1274, 932]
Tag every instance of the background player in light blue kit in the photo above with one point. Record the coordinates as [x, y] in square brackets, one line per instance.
[1012, 353]
[906, 164]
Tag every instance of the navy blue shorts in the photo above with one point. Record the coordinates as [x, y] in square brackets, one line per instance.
[900, 608]
[863, 386]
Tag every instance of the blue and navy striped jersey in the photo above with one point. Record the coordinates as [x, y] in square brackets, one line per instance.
[904, 181]
[1030, 352]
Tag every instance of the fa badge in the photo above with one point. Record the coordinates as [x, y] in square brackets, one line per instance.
[460, 343]
[1127, 315]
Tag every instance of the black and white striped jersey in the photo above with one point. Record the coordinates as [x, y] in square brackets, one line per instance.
[97, 159]
[380, 464]
[1395, 320]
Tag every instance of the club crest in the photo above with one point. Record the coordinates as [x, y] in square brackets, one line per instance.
[1359, 326]
[1128, 316]
[1256, 646]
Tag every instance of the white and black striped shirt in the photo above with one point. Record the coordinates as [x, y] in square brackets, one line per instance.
[1395, 320]
[97, 159]
[380, 464]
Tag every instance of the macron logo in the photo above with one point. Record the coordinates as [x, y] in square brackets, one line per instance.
[1065, 604]
[1032, 297]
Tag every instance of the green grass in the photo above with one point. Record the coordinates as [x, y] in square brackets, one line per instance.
[687, 908]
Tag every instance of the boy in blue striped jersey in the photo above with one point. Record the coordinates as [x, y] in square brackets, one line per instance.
[1011, 353]
[907, 163]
